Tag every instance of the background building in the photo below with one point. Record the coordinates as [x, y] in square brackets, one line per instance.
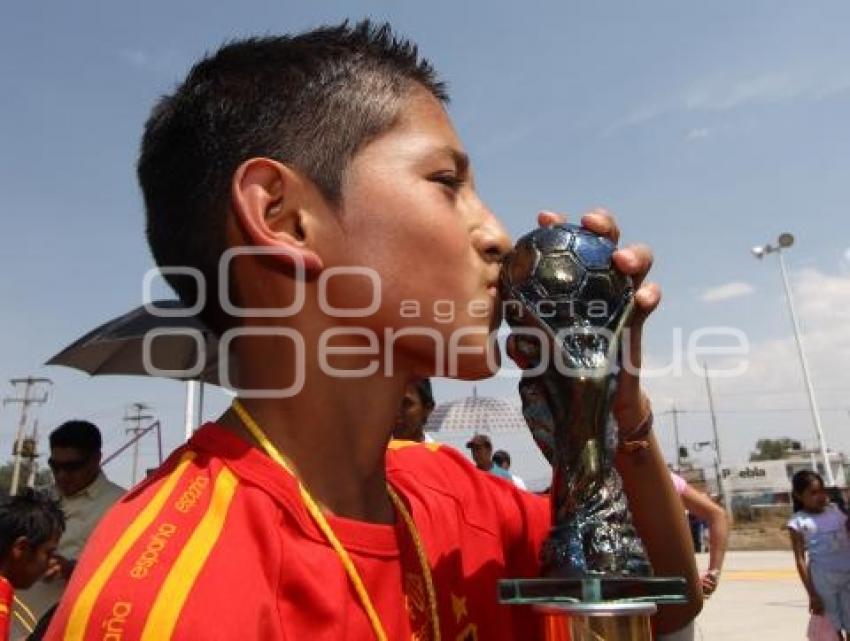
[761, 486]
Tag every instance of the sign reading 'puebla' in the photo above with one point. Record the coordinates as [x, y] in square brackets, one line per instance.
[764, 476]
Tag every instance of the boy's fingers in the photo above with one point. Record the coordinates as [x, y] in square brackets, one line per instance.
[647, 298]
[523, 350]
[601, 221]
[634, 260]
[548, 218]
[514, 353]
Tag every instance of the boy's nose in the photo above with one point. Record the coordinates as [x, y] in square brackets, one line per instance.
[492, 239]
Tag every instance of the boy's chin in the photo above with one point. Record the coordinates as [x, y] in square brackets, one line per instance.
[475, 368]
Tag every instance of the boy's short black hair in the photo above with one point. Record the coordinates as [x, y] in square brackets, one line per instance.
[502, 458]
[31, 514]
[310, 100]
[81, 435]
[426, 393]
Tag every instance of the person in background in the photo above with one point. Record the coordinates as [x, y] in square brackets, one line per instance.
[696, 527]
[821, 544]
[700, 507]
[482, 453]
[416, 406]
[85, 494]
[502, 459]
[30, 526]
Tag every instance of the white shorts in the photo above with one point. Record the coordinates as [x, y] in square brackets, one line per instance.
[833, 587]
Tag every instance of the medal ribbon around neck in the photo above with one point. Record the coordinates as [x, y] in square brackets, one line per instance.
[316, 513]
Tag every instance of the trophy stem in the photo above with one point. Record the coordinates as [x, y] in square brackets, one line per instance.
[598, 622]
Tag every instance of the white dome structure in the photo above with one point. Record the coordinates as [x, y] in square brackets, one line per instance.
[478, 414]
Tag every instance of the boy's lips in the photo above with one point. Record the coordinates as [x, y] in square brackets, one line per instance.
[493, 287]
[496, 315]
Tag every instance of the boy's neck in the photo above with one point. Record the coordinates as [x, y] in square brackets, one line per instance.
[336, 442]
[344, 474]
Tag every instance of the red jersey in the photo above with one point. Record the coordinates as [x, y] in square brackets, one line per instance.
[7, 597]
[218, 545]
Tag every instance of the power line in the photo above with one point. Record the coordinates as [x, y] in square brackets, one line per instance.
[759, 410]
[782, 392]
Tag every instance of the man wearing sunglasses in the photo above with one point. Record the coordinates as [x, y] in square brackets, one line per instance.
[85, 494]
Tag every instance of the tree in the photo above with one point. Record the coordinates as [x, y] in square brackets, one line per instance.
[768, 449]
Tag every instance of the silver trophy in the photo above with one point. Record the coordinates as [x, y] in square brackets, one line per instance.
[568, 307]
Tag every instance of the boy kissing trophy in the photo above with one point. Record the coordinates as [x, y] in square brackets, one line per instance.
[568, 307]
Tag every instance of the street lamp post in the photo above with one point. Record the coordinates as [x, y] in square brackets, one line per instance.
[784, 242]
[718, 477]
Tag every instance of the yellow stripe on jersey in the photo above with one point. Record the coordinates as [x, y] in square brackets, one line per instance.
[20, 605]
[400, 444]
[183, 573]
[26, 625]
[83, 606]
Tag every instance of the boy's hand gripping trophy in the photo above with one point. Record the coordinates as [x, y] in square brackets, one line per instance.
[568, 307]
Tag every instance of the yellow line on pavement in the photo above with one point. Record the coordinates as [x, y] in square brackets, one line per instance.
[760, 575]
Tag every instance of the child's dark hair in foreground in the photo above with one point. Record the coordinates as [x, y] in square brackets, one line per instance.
[30, 526]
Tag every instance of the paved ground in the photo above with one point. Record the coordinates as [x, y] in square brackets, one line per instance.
[760, 597]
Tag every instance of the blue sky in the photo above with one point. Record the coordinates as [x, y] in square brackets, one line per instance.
[706, 127]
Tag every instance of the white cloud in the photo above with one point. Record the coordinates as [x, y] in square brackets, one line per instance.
[135, 57]
[732, 90]
[726, 291]
[724, 92]
[643, 114]
[160, 62]
[506, 139]
[697, 133]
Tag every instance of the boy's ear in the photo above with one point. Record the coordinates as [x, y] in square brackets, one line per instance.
[275, 206]
[20, 548]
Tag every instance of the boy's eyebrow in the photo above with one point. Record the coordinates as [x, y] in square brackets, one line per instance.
[460, 158]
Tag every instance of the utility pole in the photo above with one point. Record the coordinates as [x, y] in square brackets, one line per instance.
[29, 383]
[32, 454]
[724, 495]
[674, 412]
[136, 430]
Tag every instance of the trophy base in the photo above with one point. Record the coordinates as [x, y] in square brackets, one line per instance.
[597, 622]
[594, 590]
[595, 608]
